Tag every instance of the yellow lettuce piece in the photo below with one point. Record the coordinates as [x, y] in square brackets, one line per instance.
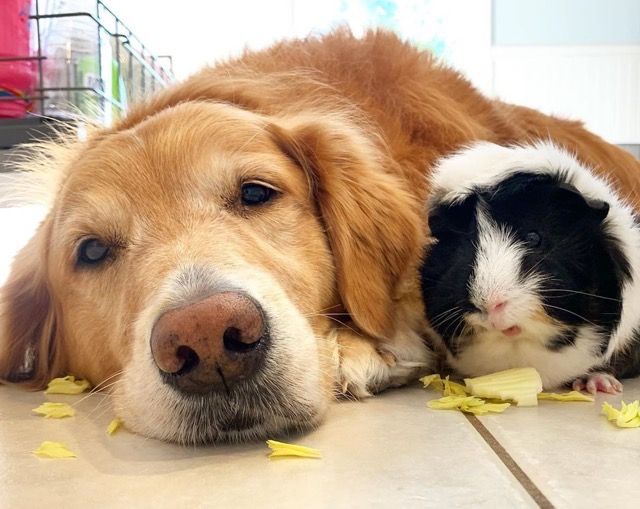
[469, 404]
[67, 385]
[485, 408]
[445, 385]
[114, 426]
[627, 417]
[610, 412]
[450, 402]
[521, 385]
[282, 449]
[54, 410]
[453, 388]
[53, 450]
[433, 379]
[565, 396]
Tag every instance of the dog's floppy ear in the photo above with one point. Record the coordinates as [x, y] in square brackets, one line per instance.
[29, 352]
[370, 218]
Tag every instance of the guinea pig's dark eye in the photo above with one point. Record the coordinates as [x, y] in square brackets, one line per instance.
[92, 252]
[256, 194]
[532, 239]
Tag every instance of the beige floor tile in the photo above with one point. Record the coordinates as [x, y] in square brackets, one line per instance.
[390, 451]
[571, 453]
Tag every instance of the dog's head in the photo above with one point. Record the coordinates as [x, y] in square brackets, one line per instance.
[192, 259]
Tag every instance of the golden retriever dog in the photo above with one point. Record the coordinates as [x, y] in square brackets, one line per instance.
[244, 246]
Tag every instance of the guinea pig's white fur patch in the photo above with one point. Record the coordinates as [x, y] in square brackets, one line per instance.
[486, 165]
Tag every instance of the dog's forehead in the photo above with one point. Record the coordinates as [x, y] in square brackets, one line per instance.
[176, 148]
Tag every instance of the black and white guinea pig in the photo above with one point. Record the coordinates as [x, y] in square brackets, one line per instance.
[535, 262]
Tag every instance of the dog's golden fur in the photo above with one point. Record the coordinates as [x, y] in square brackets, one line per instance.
[346, 130]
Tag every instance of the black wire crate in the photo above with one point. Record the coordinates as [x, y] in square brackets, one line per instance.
[83, 61]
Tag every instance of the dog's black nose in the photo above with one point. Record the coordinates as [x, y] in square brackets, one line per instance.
[211, 344]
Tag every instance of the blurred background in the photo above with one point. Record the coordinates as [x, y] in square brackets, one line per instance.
[578, 59]
[574, 58]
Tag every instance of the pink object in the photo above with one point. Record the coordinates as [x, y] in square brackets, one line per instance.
[598, 382]
[512, 331]
[17, 76]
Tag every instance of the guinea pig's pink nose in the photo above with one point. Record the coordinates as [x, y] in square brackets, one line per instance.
[496, 306]
[210, 344]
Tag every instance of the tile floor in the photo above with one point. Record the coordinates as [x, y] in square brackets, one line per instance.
[389, 451]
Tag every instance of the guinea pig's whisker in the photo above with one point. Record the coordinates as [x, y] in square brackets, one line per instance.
[330, 317]
[561, 290]
[445, 315]
[441, 322]
[458, 324]
[334, 306]
[455, 321]
[458, 337]
[571, 313]
[537, 281]
[345, 325]
[449, 310]
[538, 262]
[531, 271]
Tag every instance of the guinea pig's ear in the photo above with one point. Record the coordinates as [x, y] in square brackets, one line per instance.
[570, 196]
[372, 222]
[452, 217]
[29, 350]
[600, 208]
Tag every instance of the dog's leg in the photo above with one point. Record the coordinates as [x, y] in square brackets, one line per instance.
[368, 366]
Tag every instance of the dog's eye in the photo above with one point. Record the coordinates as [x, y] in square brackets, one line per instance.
[256, 194]
[92, 252]
[532, 239]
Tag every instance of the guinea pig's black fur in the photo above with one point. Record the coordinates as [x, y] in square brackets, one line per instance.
[528, 267]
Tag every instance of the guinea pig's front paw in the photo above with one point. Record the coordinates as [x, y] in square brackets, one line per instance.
[598, 382]
[366, 369]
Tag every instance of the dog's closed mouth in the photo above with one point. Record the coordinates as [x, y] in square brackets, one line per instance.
[241, 422]
[216, 418]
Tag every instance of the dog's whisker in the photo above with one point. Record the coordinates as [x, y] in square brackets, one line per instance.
[100, 386]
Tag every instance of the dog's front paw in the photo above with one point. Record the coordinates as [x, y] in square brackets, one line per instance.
[366, 369]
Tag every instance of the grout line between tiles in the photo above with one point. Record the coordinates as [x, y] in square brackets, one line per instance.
[508, 461]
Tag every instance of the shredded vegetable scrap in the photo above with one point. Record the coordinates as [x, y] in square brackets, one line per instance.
[627, 417]
[449, 402]
[521, 385]
[281, 450]
[54, 410]
[430, 379]
[445, 385]
[565, 396]
[67, 385]
[114, 426]
[53, 450]
[609, 412]
[453, 388]
[488, 407]
[469, 404]
[488, 393]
